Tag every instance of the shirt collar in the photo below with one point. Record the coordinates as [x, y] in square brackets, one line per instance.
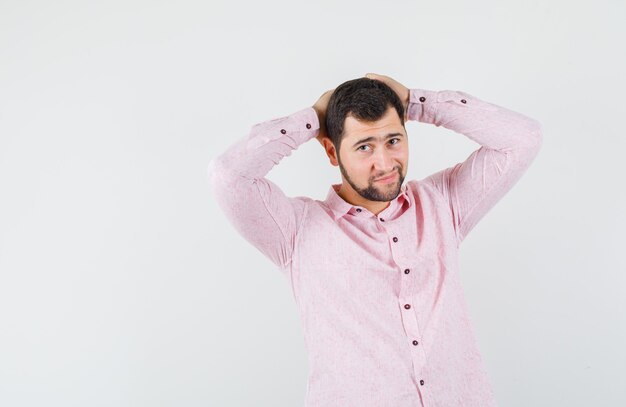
[340, 207]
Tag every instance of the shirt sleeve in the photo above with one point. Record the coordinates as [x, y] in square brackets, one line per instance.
[509, 143]
[254, 205]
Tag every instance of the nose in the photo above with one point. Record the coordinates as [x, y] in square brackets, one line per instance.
[383, 163]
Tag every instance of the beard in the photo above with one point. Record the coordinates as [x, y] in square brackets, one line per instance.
[384, 193]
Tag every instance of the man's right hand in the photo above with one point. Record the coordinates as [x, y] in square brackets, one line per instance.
[320, 107]
[401, 90]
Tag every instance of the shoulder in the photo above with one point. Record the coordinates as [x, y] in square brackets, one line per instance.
[420, 187]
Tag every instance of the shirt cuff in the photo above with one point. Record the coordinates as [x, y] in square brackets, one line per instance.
[302, 126]
[422, 105]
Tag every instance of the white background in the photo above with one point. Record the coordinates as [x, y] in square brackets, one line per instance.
[121, 283]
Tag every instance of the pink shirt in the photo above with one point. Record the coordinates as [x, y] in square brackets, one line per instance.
[382, 307]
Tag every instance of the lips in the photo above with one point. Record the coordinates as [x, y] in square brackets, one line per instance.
[388, 178]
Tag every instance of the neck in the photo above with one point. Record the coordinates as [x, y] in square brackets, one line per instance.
[352, 197]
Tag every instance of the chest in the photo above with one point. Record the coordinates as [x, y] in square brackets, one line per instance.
[369, 258]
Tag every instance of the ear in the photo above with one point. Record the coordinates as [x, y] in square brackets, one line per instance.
[331, 152]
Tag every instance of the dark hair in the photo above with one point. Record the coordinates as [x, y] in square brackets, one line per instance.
[363, 98]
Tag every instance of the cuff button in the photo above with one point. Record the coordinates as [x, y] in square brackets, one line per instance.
[308, 125]
[422, 98]
[463, 101]
[283, 131]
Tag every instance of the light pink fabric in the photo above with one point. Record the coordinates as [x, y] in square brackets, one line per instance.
[385, 321]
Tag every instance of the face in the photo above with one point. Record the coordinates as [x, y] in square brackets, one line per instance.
[370, 152]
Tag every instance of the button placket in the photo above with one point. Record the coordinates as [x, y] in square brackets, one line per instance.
[406, 302]
[409, 320]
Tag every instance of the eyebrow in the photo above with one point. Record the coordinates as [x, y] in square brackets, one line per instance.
[371, 138]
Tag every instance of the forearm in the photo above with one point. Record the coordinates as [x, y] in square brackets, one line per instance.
[488, 124]
[266, 144]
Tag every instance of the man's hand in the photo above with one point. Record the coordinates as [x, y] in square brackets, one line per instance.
[400, 89]
[320, 107]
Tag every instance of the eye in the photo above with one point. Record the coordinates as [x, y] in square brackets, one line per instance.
[397, 139]
[359, 147]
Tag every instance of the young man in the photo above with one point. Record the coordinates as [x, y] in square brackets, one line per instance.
[374, 267]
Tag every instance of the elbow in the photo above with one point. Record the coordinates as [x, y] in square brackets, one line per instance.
[535, 141]
[534, 130]
[222, 176]
[215, 172]
[538, 135]
[529, 142]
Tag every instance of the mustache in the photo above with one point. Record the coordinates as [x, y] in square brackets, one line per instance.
[396, 171]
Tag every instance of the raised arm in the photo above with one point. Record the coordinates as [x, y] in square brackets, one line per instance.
[509, 142]
[254, 205]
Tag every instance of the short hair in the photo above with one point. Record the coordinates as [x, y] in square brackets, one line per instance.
[364, 99]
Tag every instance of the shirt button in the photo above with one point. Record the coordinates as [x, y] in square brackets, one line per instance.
[415, 343]
[283, 131]
[382, 220]
[463, 101]
[407, 306]
[358, 209]
[422, 98]
[308, 125]
[395, 239]
[422, 382]
[407, 271]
